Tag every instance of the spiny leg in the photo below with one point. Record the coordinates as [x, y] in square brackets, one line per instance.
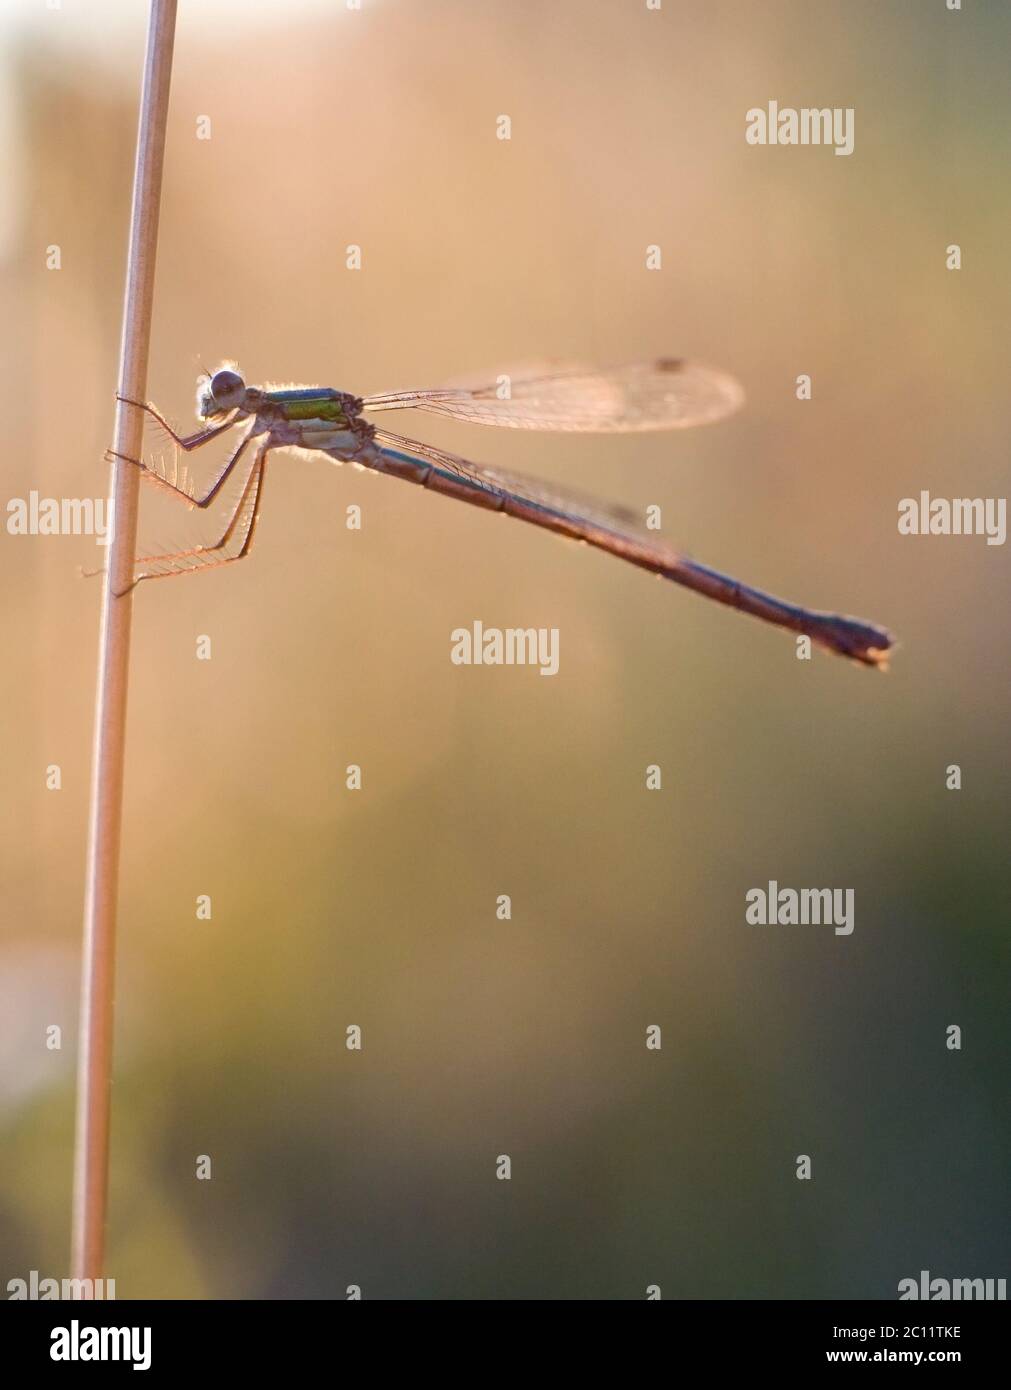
[189, 441]
[206, 498]
[242, 521]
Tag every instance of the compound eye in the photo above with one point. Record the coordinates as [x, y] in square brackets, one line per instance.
[226, 383]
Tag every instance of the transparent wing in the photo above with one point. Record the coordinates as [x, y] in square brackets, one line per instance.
[659, 395]
[609, 529]
[577, 506]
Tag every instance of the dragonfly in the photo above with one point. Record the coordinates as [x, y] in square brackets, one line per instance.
[659, 394]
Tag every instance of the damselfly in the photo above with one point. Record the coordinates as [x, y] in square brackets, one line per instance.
[664, 394]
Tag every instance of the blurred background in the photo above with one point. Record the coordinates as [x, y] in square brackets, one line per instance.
[377, 127]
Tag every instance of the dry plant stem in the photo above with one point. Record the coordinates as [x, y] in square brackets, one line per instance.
[94, 1076]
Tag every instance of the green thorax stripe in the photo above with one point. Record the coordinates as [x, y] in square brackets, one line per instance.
[310, 405]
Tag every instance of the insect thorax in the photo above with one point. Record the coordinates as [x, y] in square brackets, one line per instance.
[316, 403]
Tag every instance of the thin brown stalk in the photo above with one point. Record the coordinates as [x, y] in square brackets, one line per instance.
[94, 1076]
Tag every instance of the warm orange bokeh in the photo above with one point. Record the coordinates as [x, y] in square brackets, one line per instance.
[330, 647]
